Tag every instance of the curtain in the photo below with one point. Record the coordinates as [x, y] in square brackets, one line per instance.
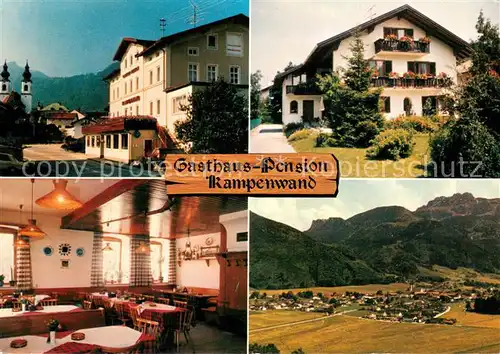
[140, 263]
[23, 265]
[96, 271]
[172, 268]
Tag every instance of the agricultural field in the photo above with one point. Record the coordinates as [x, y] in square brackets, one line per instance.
[460, 274]
[471, 318]
[263, 319]
[366, 289]
[343, 333]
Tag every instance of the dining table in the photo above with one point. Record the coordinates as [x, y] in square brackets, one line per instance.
[46, 309]
[117, 337]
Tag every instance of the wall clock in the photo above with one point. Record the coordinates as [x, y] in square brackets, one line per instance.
[64, 249]
[137, 134]
[48, 251]
[80, 252]
[209, 241]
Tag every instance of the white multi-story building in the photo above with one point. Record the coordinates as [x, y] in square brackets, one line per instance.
[156, 77]
[413, 59]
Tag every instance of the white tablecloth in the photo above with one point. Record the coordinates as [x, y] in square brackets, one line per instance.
[146, 305]
[112, 336]
[39, 298]
[46, 309]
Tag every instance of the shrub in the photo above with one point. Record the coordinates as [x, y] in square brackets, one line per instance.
[415, 123]
[300, 134]
[465, 147]
[325, 140]
[291, 128]
[392, 144]
[366, 131]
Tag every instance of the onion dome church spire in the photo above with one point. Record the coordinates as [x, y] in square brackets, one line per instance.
[5, 73]
[27, 74]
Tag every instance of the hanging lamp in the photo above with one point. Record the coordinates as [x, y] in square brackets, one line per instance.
[32, 230]
[59, 198]
[20, 243]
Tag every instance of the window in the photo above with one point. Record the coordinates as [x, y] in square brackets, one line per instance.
[4, 87]
[130, 85]
[6, 255]
[108, 141]
[150, 77]
[192, 72]
[429, 105]
[125, 87]
[158, 74]
[157, 54]
[383, 67]
[125, 63]
[116, 259]
[131, 60]
[137, 83]
[88, 141]
[117, 92]
[234, 44]
[294, 107]
[407, 106]
[421, 67]
[241, 236]
[177, 103]
[386, 104]
[98, 141]
[212, 41]
[158, 265]
[212, 72]
[399, 32]
[234, 74]
[25, 88]
[116, 141]
[124, 141]
[151, 108]
[158, 104]
[193, 51]
[126, 111]
[137, 110]
[93, 141]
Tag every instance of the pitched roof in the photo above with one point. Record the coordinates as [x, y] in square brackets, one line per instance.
[56, 106]
[122, 48]
[461, 48]
[116, 124]
[236, 19]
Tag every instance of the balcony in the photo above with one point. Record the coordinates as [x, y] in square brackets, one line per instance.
[401, 82]
[399, 46]
[304, 88]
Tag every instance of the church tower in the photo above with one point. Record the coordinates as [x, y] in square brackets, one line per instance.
[26, 97]
[4, 82]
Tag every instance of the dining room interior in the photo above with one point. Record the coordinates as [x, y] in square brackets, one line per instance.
[120, 266]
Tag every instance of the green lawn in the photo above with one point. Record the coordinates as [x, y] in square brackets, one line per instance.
[353, 162]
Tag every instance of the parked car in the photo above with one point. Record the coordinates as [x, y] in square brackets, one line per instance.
[9, 164]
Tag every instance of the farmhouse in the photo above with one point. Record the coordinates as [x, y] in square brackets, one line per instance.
[413, 59]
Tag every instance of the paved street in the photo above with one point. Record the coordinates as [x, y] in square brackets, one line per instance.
[269, 138]
[49, 160]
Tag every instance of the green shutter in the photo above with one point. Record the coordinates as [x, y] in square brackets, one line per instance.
[411, 66]
[433, 68]
[388, 67]
[409, 32]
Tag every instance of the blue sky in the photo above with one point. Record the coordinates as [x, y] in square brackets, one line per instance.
[358, 195]
[69, 37]
[288, 30]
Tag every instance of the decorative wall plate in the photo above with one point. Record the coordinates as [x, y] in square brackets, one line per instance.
[80, 251]
[209, 241]
[64, 249]
[48, 251]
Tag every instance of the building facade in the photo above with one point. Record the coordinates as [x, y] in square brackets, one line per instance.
[156, 77]
[412, 58]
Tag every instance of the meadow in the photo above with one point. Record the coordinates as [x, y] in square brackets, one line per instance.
[366, 289]
[473, 319]
[348, 334]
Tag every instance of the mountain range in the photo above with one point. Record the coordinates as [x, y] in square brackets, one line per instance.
[377, 245]
[85, 92]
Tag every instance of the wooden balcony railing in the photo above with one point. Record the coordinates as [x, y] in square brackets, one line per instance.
[395, 45]
[305, 88]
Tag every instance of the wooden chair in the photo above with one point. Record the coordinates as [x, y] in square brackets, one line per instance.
[48, 302]
[151, 328]
[87, 305]
[111, 315]
[185, 319]
[98, 301]
[134, 316]
[182, 304]
[163, 300]
[120, 311]
[16, 304]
